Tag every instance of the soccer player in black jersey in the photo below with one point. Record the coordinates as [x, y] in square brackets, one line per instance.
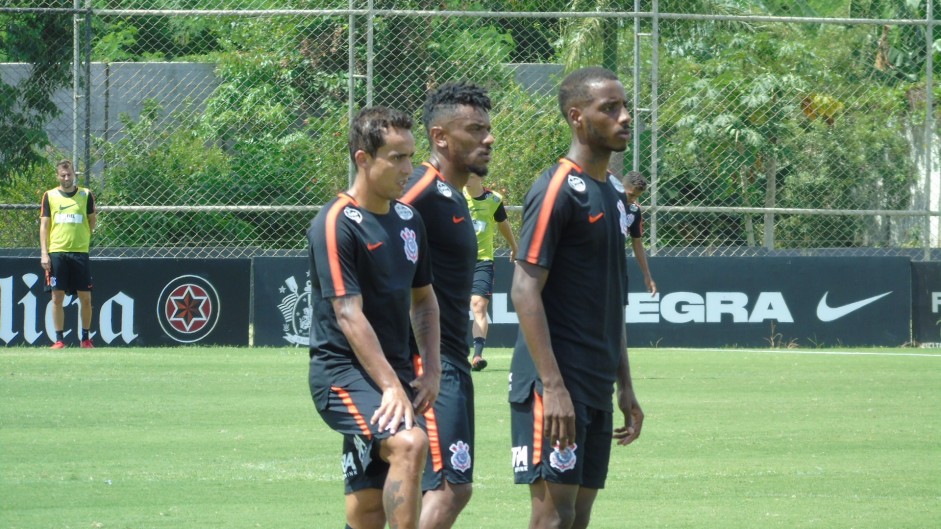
[634, 186]
[457, 120]
[369, 269]
[568, 291]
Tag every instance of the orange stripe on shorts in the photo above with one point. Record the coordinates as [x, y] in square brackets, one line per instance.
[431, 425]
[537, 428]
[354, 411]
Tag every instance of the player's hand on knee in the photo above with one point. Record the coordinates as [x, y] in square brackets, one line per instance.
[395, 411]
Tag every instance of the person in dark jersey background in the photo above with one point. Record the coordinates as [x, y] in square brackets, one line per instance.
[569, 295]
[634, 185]
[457, 121]
[370, 282]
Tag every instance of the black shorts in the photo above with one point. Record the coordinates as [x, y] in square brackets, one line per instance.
[71, 272]
[534, 458]
[362, 466]
[483, 279]
[450, 427]
[348, 411]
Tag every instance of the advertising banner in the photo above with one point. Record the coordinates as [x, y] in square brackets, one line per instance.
[703, 302]
[772, 302]
[926, 303]
[137, 302]
[281, 304]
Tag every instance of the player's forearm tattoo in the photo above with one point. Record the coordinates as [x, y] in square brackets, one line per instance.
[422, 321]
[392, 498]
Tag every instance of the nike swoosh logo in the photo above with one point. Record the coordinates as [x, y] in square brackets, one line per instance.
[595, 218]
[373, 245]
[457, 220]
[66, 206]
[828, 313]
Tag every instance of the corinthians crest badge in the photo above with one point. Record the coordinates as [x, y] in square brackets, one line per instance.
[297, 312]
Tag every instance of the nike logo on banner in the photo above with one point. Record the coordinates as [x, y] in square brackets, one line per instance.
[457, 220]
[595, 218]
[827, 313]
[373, 245]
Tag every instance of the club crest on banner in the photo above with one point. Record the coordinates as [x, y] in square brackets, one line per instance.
[296, 310]
[188, 308]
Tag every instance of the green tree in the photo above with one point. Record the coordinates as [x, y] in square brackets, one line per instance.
[45, 42]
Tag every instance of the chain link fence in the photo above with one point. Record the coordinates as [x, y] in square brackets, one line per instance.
[217, 127]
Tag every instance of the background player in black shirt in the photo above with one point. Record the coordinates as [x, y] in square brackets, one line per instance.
[369, 268]
[457, 120]
[568, 291]
[634, 186]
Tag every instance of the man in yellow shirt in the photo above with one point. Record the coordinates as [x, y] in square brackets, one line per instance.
[66, 219]
[489, 215]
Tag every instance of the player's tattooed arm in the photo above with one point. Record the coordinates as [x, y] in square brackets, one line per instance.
[426, 326]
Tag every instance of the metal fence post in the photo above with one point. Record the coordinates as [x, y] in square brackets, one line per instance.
[929, 122]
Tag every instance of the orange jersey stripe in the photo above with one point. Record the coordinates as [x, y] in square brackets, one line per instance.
[351, 406]
[545, 211]
[333, 253]
[430, 176]
[537, 428]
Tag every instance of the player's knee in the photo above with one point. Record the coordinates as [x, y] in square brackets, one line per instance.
[581, 520]
[554, 517]
[461, 495]
[408, 445]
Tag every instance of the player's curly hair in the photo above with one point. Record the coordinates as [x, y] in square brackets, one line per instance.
[636, 180]
[370, 126]
[574, 88]
[449, 96]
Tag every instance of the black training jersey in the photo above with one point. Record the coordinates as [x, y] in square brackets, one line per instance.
[379, 257]
[453, 246]
[576, 227]
[635, 224]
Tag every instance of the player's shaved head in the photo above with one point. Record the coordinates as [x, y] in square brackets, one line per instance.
[575, 88]
[448, 97]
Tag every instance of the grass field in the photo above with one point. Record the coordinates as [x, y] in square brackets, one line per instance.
[224, 437]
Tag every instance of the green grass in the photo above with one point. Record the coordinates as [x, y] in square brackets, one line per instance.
[225, 437]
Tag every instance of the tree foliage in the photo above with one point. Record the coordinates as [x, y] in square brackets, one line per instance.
[45, 43]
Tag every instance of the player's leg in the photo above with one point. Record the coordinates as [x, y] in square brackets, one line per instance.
[405, 452]
[84, 298]
[552, 505]
[481, 325]
[595, 459]
[449, 470]
[82, 283]
[481, 292]
[364, 509]
[441, 507]
[59, 281]
[583, 504]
